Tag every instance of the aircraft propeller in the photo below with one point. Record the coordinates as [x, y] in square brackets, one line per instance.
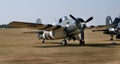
[81, 25]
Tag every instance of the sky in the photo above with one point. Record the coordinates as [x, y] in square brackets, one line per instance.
[51, 10]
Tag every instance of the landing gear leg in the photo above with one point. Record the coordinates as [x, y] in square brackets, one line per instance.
[111, 37]
[64, 42]
[82, 42]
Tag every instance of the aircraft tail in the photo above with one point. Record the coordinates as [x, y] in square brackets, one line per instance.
[108, 20]
[38, 21]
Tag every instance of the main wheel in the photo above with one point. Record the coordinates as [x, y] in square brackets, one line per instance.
[111, 39]
[64, 42]
[43, 41]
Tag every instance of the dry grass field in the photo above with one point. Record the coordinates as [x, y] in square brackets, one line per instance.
[19, 48]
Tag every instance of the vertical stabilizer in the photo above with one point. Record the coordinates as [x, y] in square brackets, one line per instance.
[108, 20]
[38, 21]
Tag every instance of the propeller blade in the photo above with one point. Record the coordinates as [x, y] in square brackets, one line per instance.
[73, 17]
[89, 19]
[81, 25]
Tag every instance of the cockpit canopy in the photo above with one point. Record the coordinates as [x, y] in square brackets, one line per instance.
[63, 19]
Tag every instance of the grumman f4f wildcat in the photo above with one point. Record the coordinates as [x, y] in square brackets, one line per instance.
[65, 28]
[112, 27]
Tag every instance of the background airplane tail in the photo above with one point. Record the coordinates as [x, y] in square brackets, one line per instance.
[38, 21]
[108, 20]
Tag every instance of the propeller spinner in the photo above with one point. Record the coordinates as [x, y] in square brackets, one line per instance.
[81, 25]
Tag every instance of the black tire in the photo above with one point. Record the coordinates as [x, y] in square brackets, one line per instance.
[43, 41]
[111, 39]
[64, 43]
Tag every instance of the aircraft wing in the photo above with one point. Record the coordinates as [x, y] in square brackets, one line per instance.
[34, 32]
[100, 27]
[47, 27]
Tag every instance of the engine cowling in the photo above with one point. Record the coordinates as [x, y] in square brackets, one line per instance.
[110, 31]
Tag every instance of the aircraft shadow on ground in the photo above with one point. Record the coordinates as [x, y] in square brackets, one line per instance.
[110, 45]
[103, 45]
[112, 40]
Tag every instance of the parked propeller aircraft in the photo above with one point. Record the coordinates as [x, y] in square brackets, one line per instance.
[65, 28]
[113, 27]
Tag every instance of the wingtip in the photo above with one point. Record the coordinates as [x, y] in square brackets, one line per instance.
[10, 23]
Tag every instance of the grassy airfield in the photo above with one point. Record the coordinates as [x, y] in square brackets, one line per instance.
[19, 48]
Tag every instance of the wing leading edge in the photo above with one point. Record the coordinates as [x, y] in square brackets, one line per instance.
[47, 27]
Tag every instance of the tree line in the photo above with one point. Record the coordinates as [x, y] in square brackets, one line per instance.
[6, 26]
